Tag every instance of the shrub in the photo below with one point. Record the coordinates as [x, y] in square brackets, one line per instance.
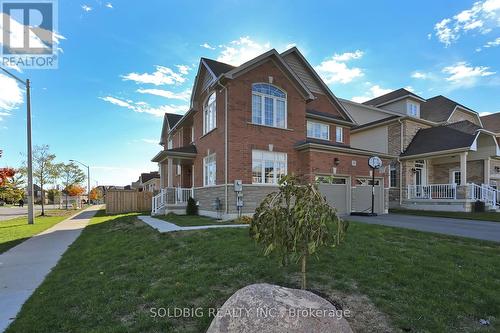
[192, 207]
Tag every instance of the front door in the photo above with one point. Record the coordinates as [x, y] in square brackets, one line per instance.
[418, 182]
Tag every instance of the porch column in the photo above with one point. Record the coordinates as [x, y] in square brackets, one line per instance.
[170, 170]
[487, 171]
[463, 168]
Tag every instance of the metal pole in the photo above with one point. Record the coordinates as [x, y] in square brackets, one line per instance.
[373, 189]
[88, 184]
[31, 219]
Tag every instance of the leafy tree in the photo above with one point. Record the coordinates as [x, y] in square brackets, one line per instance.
[11, 190]
[74, 190]
[71, 174]
[296, 222]
[96, 194]
[44, 168]
[52, 194]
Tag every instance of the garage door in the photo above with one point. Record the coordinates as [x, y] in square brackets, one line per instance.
[336, 193]
[362, 199]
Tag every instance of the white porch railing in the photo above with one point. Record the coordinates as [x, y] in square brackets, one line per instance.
[484, 193]
[474, 192]
[171, 196]
[434, 191]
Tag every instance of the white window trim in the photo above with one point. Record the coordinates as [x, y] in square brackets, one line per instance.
[321, 123]
[391, 169]
[170, 143]
[205, 109]
[453, 172]
[409, 105]
[178, 170]
[341, 134]
[262, 108]
[205, 159]
[263, 173]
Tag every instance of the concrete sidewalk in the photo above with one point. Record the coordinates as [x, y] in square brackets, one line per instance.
[164, 226]
[24, 267]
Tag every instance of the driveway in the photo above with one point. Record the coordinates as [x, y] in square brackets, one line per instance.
[7, 213]
[455, 227]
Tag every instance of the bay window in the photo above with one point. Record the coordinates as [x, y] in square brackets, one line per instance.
[268, 167]
[318, 130]
[268, 105]
[209, 170]
[209, 114]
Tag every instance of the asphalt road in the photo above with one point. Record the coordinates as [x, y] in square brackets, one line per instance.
[455, 227]
[7, 213]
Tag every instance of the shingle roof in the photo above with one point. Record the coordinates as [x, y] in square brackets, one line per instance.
[438, 108]
[383, 120]
[172, 119]
[399, 93]
[464, 126]
[325, 114]
[492, 122]
[439, 138]
[150, 175]
[190, 149]
[217, 67]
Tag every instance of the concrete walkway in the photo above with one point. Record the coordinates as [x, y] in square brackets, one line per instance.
[24, 267]
[164, 226]
[483, 230]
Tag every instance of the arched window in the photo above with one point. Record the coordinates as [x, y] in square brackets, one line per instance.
[209, 116]
[268, 105]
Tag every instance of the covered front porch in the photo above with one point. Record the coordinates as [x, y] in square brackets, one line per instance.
[176, 167]
[452, 181]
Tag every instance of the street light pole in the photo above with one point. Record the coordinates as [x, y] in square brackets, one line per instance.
[31, 217]
[88, 179]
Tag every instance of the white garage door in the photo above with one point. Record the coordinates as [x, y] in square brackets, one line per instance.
[362, 199]
[336, 193]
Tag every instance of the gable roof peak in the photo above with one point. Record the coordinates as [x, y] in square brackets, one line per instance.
[392, 96]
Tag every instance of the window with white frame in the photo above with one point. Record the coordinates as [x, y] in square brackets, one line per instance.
[209, 170]
[367, 181]
[393, 177]
[268, 167]
[339, 134]
[318, 130]
[209, 114]
[456, 177]
[413, 109]
[179, 169]
[170, 143]
[192, 133]
[268, 105]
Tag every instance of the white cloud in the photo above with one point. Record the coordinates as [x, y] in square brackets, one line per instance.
[183, 95]
[150, 141]
[419, 75]
[143, 107]
[162, 75]
[373, 91]
[483, 17]
[482, 114]
[461, 74]
[348, 56]
[241, 50]
[207, 46]
[289, 46]
[109, 5]
[11, 95]
[335, 69]
[86, 8]
[493, 43]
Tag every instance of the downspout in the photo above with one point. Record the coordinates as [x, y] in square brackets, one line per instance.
[400, 163]
[226, 194]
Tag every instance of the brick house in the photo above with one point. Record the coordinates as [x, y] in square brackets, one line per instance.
[254, 123]
[445, 159]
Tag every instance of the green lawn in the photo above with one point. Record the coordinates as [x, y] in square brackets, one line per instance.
[191, 221]
[17, 230]
[119, 269]
[486, 216]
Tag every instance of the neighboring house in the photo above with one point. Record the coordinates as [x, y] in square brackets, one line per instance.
[148, 182]
[255, 123]
[444, 158]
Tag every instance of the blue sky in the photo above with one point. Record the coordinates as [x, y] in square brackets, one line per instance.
[124, 64]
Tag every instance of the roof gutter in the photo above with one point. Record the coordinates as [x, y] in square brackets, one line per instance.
[436, 153]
